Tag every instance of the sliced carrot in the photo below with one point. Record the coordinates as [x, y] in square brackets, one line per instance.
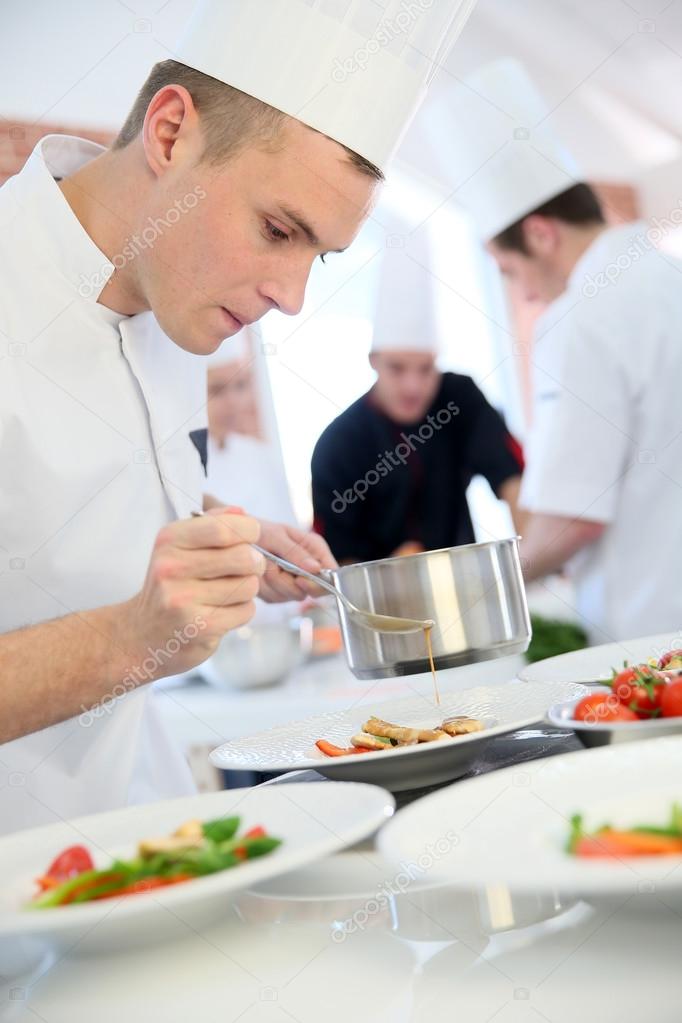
[146, 884]
[330, 750]
[627, 843]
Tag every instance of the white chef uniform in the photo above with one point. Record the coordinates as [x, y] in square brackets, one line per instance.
[606, 441]
[95, 456]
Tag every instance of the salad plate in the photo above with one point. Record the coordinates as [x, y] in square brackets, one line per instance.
[516, 827]
[497, 710]
[595, 664]
[304, 823]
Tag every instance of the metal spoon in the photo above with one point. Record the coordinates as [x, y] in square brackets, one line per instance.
[369, 620]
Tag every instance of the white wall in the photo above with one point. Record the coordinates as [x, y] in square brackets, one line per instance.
[81, 62]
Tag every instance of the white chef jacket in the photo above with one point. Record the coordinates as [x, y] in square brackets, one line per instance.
[95, 457]
[606, 440]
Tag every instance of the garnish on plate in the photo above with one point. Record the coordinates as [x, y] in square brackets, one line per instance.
[376, 736]
[194, 850]
[640, 840]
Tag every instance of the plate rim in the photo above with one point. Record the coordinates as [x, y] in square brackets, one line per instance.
[522, 674]
[596, 881]
[62, 919]
[215, 755]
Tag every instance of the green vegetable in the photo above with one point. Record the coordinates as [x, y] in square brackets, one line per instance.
[576, 832]
[221, 829]
[222, 849]
[551, 638]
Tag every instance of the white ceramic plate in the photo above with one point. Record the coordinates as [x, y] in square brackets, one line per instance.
[313, 821]
[292, 747]
[510, 827]
[595, 663]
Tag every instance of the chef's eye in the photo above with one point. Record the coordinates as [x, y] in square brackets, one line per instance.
[275, 233]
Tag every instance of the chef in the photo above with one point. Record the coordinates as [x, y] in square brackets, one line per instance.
[118, 268]
[603, 481]
[244, 460]
[390, 474]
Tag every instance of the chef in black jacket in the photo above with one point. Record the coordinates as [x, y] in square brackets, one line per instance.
[390, 474]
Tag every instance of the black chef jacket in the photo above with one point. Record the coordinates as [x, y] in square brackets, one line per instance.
[378, 483]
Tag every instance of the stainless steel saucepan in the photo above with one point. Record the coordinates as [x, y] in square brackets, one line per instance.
[474, 594]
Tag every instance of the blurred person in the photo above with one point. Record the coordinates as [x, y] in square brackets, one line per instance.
[243, 466]
[603, 483]
[390, 474]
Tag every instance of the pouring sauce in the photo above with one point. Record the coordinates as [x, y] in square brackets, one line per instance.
[429, 654]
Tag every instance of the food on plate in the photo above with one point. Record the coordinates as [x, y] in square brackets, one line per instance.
[671, 659]
[640, 840]
[377, 735]
[195, 849]
[639, 692]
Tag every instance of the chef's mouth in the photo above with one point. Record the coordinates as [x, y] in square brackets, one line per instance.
[230, 313]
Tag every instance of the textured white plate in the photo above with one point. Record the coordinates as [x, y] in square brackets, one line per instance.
[596, 663]
[313, 821]
[510, 827]
[292, 747]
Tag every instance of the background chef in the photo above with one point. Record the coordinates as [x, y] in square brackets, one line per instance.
[101, 396]
[390, 474]
[244, 462]
[603, 481]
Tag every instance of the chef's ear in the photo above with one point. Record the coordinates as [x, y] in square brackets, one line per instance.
[541, 235]
[171, 129]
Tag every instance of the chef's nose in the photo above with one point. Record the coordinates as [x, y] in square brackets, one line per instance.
[288, 292]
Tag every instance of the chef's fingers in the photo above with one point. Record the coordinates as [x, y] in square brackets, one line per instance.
[219, 620]
[318, 548]
[295, 545]
[212, 530]
[217, 593]
[214, 562]
[277, 586]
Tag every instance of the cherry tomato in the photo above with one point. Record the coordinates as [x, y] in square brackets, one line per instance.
[671, 701]
[640, 689]
[672, 655]
[600, 708]
[74, 860]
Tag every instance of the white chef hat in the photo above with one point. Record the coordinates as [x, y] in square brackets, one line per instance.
[522, 163]
[233, 349]
[405, 318]
[352, 69]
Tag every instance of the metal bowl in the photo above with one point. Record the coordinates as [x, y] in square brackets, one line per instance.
[605, 734]
[255, 656]
[474, 594]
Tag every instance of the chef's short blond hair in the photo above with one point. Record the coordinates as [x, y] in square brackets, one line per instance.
[231, 119]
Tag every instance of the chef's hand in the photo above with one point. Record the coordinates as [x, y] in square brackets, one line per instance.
[201, 582]
[308, 550]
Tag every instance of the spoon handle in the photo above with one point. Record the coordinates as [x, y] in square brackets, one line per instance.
[288, 566]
